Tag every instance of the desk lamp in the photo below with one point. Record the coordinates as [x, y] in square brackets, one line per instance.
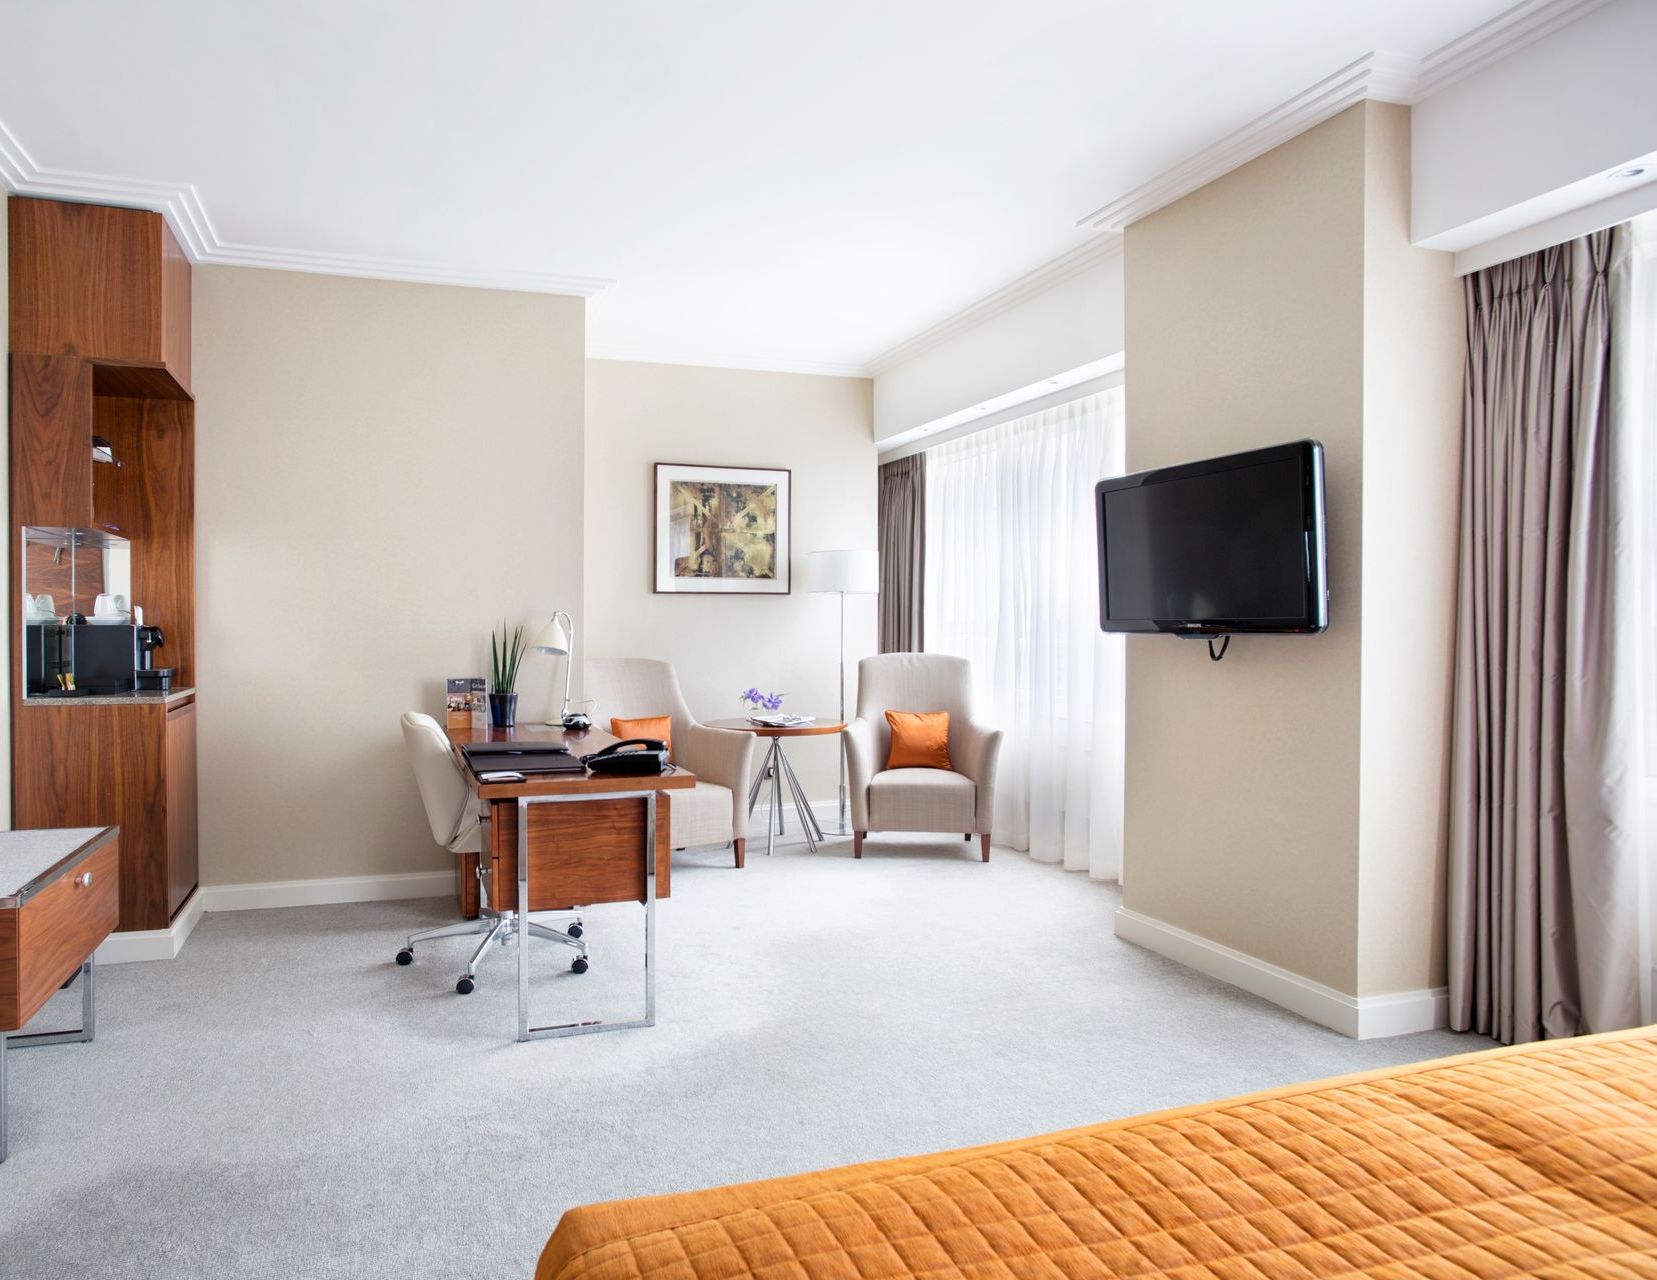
[557, 640]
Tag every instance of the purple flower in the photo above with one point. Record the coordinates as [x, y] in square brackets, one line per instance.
[754, 698]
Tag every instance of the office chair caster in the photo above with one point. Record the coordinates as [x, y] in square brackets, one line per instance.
[405, 956]
[578, 965]
[465, 986]
[575, 930]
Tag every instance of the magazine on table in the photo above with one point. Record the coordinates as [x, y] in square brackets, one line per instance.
[782, 720]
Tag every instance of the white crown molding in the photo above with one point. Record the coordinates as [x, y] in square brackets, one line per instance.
[1377, 76]
[1361, 1017]
[700, 359]
[1506, 33]
[1008, 296]
[181, 205]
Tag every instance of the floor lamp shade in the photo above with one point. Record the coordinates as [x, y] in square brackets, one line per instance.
[852, 572]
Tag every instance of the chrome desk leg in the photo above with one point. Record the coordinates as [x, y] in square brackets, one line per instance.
[527, 1032]
[10, 1040]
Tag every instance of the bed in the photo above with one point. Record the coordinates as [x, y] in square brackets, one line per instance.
[1534, 1160]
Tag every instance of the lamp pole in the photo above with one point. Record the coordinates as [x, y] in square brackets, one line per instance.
[843, 712]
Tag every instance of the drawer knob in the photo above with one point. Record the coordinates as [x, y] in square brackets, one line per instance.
[84, 879]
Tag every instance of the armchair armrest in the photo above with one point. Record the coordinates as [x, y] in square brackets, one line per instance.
[980, 753]
[724, 756]
[861, 744]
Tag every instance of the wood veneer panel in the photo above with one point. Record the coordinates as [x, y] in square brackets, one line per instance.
[182, 858]
[580, 854]
[175, 307]
[96, 766]
[58, 929]
[87, 280]
[135, 382]
[51, 441]
[151, 500]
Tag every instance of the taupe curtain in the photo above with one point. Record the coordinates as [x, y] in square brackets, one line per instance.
[1543, 880]
[901, 508]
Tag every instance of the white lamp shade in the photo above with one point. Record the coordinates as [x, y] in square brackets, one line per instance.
[553, 638]
[854, 572]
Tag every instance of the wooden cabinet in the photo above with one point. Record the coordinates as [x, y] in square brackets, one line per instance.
[182, 863]
[104, 284]
[99, 327]
[131, 765]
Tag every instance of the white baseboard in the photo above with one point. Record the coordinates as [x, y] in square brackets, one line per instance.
[1361, 1017]
[334, 889]
[138, 945]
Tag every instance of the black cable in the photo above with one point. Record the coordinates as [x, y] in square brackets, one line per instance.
[1225, 643]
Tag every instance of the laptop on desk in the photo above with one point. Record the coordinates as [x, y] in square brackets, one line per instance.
[520, 757]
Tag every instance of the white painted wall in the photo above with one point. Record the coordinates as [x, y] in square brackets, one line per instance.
[639, 414]
[1531, 138]
[1074, 321]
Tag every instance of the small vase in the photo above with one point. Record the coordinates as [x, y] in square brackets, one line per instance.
[503, 710]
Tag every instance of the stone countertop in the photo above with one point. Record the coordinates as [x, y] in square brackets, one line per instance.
[112, 699]
[27, 854]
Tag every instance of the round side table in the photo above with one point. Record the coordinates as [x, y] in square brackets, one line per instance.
[780, 774]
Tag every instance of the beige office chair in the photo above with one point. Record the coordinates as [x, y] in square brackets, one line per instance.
[959, 799]
[716, 810]
[457, 823]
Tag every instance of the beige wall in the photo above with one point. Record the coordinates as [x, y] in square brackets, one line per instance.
[383, 472]
[1245, 328]
[1414, 346]
[820, 428]
[1285, 802]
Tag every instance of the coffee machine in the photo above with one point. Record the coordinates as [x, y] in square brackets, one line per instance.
[150, 678]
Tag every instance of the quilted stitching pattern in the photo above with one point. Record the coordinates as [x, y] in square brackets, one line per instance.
[1541, 1162]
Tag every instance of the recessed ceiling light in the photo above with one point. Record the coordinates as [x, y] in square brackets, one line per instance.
[1633, 171]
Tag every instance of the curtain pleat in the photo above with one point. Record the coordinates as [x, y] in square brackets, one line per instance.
[1543, 888]
[1012, 585]
[901, 508]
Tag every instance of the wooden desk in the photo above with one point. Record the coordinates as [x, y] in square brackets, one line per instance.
[59, 898]
[563, 840]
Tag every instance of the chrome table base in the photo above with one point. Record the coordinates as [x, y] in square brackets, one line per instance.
[779, 773]
[32, 1040]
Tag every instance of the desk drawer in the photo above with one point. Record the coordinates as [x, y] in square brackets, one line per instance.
[45, 940]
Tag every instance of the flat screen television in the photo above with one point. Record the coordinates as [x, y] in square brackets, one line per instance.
[1226, 546]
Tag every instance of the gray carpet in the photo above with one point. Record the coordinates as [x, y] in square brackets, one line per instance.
[283, 1101]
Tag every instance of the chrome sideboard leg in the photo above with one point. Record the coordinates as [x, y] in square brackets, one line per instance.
[12, 1040]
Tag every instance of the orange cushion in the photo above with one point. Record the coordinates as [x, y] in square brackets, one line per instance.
[658, 727]
[920, 740]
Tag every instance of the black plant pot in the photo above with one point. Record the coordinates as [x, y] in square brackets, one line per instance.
[503, 710]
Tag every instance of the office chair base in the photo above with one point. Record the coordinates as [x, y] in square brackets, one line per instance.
[502, 927]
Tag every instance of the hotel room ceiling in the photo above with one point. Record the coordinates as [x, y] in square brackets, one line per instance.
[750, 183]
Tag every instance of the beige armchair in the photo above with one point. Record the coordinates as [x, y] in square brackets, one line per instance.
[716, 810]
[882, 799]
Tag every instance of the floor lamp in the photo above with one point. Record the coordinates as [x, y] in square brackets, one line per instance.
[845, 573]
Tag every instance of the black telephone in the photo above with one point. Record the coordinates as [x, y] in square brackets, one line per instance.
[634, 756]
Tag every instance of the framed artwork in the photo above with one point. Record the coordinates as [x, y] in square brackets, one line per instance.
[722, 530]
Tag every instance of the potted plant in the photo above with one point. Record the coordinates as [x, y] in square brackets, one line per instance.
[506, 651]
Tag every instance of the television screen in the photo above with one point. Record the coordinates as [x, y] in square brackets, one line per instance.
[1233, 544]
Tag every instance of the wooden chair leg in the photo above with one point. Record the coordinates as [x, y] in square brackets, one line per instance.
[986, 839]
[857, 843]
[741, 846]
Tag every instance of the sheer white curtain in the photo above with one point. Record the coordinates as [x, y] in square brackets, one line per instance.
[1634, 407]
[1012, 583]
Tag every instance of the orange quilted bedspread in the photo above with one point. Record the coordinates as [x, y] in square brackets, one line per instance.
[1537, 1161]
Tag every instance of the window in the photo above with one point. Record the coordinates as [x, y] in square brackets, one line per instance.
[1012, 585]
